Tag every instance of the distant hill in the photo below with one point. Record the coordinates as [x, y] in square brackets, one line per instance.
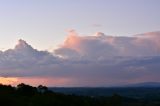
[144, 84]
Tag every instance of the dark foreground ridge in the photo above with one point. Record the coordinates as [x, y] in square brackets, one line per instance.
[26, 95]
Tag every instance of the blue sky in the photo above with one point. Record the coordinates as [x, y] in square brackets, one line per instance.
[44, 23]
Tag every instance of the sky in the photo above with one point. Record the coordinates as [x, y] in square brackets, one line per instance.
[44, 23]
[79, 42]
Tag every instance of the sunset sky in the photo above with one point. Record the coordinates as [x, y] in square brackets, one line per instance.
[79, 42]
[44, 23]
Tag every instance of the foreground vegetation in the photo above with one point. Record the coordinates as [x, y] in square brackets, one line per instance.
[26, 95]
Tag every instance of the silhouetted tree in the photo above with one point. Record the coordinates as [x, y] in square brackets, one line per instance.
[42, 88]
[26, 90]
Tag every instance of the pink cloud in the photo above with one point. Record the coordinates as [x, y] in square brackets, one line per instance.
[103, 45]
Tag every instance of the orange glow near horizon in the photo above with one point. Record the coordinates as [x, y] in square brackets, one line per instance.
[34, 81]
[8, 80]
[47, 81]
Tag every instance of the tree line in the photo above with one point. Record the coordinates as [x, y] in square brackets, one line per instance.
[26, 95]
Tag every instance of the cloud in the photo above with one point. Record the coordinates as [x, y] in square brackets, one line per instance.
[97, 25]
[100, 46]
[95, 60]
[23, 60]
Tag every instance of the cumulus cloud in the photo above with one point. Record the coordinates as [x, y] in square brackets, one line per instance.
[95, 60]
[100, 45]
[23, 59]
